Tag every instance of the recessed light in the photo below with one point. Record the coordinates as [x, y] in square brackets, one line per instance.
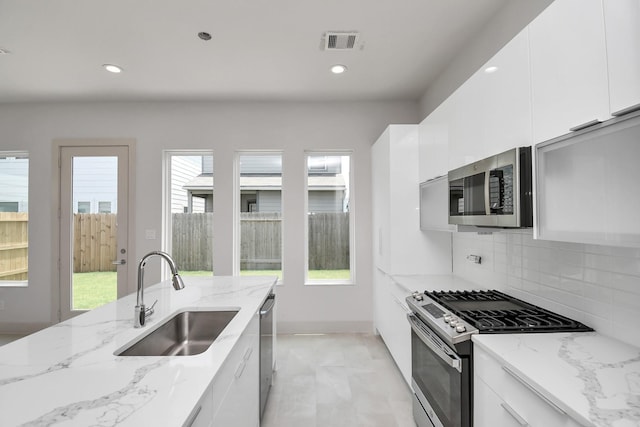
[112, 68]
[338, 69]
[490, 70]
[204, 35]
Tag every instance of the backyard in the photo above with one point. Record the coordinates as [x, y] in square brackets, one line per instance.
[91, 290]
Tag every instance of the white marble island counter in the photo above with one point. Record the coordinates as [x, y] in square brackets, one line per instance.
[593, 378]
[68, 374]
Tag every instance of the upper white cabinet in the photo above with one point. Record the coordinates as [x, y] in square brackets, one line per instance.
[491, 112]
[399, 247]
[622, 30]
[587, 185]
[433, 136]
[569, 84]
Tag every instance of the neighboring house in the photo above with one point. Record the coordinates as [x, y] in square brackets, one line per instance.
[14, 184]
[95, 185]
[261, 185]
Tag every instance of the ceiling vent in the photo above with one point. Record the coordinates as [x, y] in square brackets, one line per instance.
[340, 40]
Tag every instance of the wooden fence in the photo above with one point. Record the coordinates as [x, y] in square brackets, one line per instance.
[94, 242]
[260, 237]
[14, 245]
[192, 241]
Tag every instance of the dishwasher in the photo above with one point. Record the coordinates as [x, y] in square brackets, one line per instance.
[266, 349]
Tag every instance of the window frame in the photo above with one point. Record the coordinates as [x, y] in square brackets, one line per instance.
[21, 154]
[352, 208]
[237, 203]
[166, 237]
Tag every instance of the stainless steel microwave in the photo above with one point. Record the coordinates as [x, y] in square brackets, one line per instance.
[493, 192]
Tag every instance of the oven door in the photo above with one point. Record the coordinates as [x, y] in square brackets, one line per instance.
[441, 380]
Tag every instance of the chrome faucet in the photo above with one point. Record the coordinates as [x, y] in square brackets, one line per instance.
[141, 312]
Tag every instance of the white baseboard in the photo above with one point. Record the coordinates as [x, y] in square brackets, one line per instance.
[284, 327]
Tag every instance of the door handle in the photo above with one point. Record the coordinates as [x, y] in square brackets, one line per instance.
[119, 262]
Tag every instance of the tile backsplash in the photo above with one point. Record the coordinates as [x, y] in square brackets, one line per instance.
[596, 285]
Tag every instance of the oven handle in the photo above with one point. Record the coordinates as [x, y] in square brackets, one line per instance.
[433, 343]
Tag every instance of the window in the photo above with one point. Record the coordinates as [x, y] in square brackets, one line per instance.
[260, 216]
[329, 229]
[14, 218]
[84, 207]
[104, 207]
[189, 196]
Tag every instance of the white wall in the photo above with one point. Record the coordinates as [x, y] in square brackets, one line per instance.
[225, 128]
[596, 285]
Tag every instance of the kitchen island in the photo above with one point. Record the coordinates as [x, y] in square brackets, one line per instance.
[68, 374]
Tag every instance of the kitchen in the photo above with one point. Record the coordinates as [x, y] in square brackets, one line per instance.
[161, 125]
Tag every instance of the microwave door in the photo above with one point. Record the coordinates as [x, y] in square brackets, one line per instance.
[475, 194]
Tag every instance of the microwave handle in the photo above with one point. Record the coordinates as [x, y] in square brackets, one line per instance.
[487, 202]
[450, 359]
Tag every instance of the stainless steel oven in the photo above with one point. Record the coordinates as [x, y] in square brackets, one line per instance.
[440, 377]
[442, 324]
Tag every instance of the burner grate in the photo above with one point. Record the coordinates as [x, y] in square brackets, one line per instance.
[494, 312]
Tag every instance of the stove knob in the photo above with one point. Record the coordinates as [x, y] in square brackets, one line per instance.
[454, 322]
[460, 328]
[447, 318]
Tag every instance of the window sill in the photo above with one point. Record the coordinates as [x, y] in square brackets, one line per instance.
[329, 283]
[14, 284]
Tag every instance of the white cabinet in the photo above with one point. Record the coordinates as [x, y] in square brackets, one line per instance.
[236, 390]
[202, 415]
[433, 141]
[491, 111]
[502, 398]
[391, 321]
[586, 186]
[434, 203]
[399, 247]
[622, 29]
[568, 67]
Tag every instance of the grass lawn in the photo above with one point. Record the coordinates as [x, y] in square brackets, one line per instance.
[91, 290]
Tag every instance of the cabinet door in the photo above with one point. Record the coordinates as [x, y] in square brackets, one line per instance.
[433, 141]
[568, 67]
[241, 404]
[202, 415]
[584, 190]
[492, 110]
[622, 27]
[489, 410]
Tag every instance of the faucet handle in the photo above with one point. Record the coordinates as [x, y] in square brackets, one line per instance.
[149, 311]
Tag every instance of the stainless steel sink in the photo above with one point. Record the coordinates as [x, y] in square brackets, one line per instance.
[185, 334]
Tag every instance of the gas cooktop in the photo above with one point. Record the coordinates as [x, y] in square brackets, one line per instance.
[492, 311]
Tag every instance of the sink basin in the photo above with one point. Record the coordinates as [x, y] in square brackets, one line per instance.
[185, 334]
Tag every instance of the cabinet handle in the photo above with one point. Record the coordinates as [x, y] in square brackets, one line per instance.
[240, 369]
[247, 353]
[514, 414]
[585, 125]
[536, 392]
[626, 110]
[402, 306]
[194, 417]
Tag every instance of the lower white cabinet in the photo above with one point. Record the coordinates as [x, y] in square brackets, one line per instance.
[236, 391]
[202, 415]
[502, 398]
[391, 321]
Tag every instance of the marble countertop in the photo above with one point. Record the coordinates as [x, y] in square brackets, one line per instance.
[68, 375]
[593, 378]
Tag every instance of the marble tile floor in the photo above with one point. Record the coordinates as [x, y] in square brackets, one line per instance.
[337, 380]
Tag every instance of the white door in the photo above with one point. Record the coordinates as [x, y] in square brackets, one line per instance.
[94, 255]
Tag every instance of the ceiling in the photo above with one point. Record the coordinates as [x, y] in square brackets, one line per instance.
[260, 49]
